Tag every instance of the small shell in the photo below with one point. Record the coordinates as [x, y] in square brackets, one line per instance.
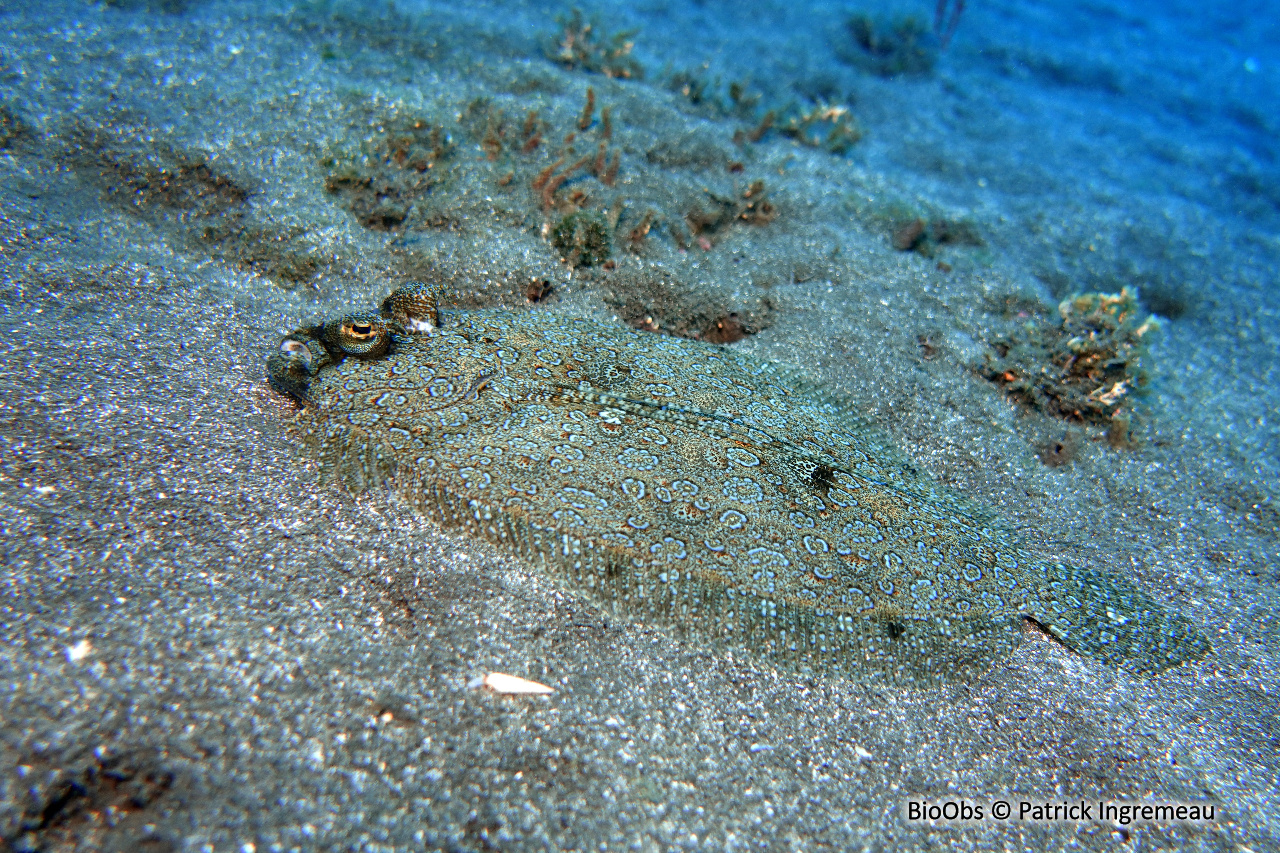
[500, 682]
[84, 648]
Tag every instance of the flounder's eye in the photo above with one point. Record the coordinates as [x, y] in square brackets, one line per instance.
[295, 350]
[415, 307]
[362, 335]
[297, 359]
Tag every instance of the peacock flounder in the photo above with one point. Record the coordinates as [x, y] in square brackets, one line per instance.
[692, 486]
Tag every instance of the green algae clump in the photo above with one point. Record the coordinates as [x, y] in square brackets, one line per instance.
[582, 238]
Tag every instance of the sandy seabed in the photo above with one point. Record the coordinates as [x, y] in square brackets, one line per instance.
[203, 649]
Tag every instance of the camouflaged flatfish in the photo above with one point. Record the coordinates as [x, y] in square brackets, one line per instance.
[691, 486]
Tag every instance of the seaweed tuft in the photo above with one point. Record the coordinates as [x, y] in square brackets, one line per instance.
[1087, 367]
[827, 126]
[583, 43]
[750, 207]
[383, 186]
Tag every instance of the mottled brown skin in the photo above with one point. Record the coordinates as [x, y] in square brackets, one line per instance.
[693, 486]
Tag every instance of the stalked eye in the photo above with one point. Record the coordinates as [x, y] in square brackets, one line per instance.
[362, 335]
[292, 366]
[415, 307]
[295, 350]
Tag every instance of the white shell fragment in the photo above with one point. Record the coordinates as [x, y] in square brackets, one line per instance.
[79, 651]
[500, 682]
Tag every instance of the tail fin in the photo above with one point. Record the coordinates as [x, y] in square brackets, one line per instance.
[1103, 617]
